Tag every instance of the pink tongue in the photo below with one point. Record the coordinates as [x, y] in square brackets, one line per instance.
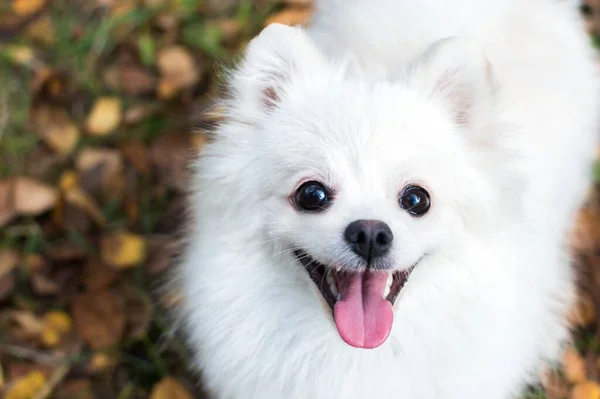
[362, 316]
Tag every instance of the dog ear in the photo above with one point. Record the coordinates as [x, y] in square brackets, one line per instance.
[276, 59]
[456, 72]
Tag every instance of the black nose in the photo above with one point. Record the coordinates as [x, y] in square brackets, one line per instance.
[369, 238]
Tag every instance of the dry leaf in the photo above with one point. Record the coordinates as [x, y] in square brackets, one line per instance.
[123, 250]
[178, 71]
[291, 16]
[33, 197]
[136, 153]
[99, 318]
[8, 261]
[7, 209]
[27, 7]
[97, 276]
[100, 362]
[42, 30]
[139, 308]
[138, 113]
[135, 80]
[27, 387]
[586, 390]
[58, 321]
[21, 55]
[169, 388]
[104, 117]
[105, 164]
[55, 127]
[573, 366]
[76, 197]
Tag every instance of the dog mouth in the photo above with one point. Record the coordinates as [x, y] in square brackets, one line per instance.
[361, 302]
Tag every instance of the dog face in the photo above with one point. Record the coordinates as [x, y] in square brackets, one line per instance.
[359, 181]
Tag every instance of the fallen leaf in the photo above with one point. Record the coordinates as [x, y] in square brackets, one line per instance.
[138, 113]
[27, 7]
[104, 163]
[97, 276]
[18, 54]
[171, 154]
[42, 30]
[169, 388]
[178, 71]
[586, 390]
[99, 318]
[75, 196]
[136, 81]
[7, 208]
[104, 117]
[27, 387]
[8, 261]
[291, 16]
[139, 308]
[56, 325]
[33, 197]
[101, 362]
[123, 249]
[55, 127]
[136, 153]
[573, 366]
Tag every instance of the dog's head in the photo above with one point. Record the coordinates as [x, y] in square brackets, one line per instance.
[358, 181]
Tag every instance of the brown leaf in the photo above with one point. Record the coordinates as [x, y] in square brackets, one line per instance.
[139, 308]
[573, 366]
[136, 153]
[291, 16]
[7, 207]
[104, 117]
[178, 71]
[76, 197]
[171, 154]
[99, 318]
[42, 30]
[586, 390]
[55, 127]
[104, 167]
[33, 197]
[138, 113]
[97, 276]
[169, 388]
[8, 261]
[583, 313]
[75, 389]
[136, 80]
[123, 249]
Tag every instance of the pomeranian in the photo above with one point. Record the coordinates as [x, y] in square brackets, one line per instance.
[384, 211]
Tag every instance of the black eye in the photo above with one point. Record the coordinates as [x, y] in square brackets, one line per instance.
[415, 200]
[311, 196]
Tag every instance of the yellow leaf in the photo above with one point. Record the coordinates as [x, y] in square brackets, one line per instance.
[50, 337]
[27, 387]
[105, 116]
[59, 321]
[573, 366]
[169, 388]
[56, 128]
[69, 180]
[586, 390]
[123, 250]
[27, 7]
[22, 55]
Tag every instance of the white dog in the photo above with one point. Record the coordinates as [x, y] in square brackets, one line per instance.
[384, 211]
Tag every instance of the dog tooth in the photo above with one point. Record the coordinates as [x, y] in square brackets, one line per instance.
[386, 292]
[334, 289]
[389, 280]
[330, 279]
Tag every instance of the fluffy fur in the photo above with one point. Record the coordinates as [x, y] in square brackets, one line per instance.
[489, 104]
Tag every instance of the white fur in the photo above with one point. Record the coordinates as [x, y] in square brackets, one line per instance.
[499, 126]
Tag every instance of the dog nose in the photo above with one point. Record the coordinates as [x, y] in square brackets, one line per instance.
[369, 239]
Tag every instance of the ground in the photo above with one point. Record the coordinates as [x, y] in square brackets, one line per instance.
[98, 102]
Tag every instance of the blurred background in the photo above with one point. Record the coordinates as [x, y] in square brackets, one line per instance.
[102, 104]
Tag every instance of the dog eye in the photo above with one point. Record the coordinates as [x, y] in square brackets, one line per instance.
[415, 200]
[311, 196]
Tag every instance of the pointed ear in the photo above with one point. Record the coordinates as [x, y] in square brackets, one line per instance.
[456, 72]
[275, 60]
